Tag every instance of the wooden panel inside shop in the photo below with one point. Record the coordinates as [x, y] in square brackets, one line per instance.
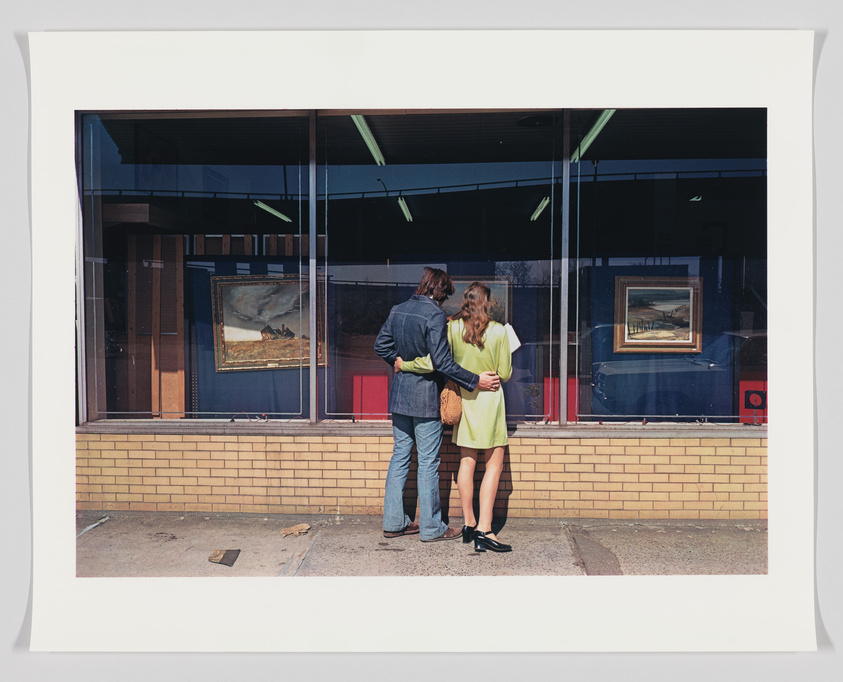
[156, 341]
[262, 245]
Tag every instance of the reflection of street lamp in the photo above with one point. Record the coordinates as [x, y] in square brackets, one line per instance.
[272, 211]
[369, 139]
[402, 203]
[592, 134]
[405, 209]
[542, 205]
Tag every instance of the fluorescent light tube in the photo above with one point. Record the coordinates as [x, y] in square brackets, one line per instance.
[368, 138]
[405, 209]
[271, 210]
[542, 205]
[592, 134]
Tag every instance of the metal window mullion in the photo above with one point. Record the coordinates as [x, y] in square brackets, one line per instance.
[314, 338]
[81, 326]
[563, 282]
[81, 290]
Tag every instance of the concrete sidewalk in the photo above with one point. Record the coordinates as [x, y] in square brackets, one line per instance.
[147, 544]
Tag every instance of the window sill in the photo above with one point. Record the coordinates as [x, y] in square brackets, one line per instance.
[639, 430]
[329, 427]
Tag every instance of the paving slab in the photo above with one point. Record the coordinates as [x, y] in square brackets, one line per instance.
[133, 544]
[166, 544]
[357, 547]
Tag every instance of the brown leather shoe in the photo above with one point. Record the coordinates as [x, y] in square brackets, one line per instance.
[411, 529]
[450, 534]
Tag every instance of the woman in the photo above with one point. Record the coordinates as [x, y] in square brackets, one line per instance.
[478, 344]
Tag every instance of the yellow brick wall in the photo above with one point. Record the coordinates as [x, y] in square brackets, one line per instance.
[629, 478]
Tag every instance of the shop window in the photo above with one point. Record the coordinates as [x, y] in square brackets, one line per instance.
[475, 194]
[201, 253]
[671, 268]
[174, 205]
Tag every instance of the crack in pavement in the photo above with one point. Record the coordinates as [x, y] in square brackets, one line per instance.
[596, 559]
[578, 560]
[299, 557]
[592, 557]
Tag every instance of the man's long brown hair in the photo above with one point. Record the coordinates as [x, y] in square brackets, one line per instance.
[435, 283]
[476, 305]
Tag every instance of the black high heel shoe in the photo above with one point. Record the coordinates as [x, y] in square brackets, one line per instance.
[468, 534]
[482, 543]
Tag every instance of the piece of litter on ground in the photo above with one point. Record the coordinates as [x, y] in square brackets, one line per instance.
[226, 557]
[300, 529]
[93, 525]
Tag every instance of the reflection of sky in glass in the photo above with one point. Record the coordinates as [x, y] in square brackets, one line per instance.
[409, 274]
[426, 178]
[374, 273]
[692, 263]
[112, 174]
[370, 180]
[653, 168]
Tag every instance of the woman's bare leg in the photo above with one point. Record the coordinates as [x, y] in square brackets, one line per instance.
[465, 485]
[489, 488]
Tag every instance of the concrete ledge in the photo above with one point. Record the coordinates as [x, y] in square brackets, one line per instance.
[639, 430]
[384, 428]
[222, 427]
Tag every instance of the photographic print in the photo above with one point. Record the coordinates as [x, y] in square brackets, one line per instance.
[262, 322]
[316, 465]
[658, 314]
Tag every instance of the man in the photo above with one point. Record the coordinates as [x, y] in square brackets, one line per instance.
[416, 328]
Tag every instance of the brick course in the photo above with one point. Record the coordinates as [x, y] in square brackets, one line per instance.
[622, 478]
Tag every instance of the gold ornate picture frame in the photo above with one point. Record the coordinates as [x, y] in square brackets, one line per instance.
[658, 315]
[262, 322]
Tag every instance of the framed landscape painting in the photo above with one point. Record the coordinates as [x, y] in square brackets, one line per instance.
[658, 314]
[262, 322]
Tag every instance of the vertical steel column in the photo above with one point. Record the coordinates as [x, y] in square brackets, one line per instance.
[81, 232]
[312, 311]
[564, 267]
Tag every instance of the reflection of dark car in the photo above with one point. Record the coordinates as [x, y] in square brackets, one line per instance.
[705, 385]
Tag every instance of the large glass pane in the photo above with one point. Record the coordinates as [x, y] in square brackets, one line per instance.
[195, 278]
[670, 247]
[473, 193]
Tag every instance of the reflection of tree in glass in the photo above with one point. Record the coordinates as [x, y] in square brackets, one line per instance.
[525, 273]
[518, 272]
[497, 311]
[534, 393]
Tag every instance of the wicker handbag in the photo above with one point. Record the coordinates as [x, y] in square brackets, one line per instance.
[450, 404]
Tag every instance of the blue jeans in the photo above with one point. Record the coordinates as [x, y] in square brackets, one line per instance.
[426, 433]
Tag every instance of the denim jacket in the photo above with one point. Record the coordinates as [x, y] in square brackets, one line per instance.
[414, 329]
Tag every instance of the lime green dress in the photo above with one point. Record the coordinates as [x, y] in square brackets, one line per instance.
[483, 422]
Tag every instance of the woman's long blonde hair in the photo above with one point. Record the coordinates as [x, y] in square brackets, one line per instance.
[476, 305]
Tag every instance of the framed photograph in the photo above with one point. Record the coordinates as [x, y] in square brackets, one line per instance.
[658, 314]
[501, 296]
[262, 322]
